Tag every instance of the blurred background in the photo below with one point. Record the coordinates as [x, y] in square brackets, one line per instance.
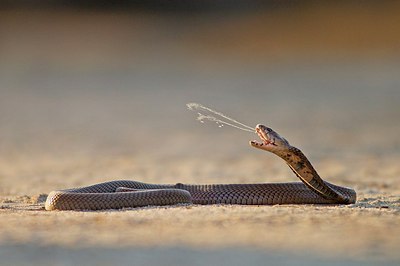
[97, 90]
[85, 78]
[115, 76]
[105, 80]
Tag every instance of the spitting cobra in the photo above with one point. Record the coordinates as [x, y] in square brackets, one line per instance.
[127, 194]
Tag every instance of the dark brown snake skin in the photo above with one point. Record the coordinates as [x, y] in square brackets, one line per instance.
[128, 194]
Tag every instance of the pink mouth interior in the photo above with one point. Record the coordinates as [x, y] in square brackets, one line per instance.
[262, 137]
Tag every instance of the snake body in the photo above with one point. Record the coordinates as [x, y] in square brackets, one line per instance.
[127, 194]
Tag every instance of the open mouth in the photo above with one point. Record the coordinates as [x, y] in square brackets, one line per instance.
[263, 136]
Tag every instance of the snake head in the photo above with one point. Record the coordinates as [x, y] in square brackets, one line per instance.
[271, 141]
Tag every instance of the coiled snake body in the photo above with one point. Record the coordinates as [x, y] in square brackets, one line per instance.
[125, 194]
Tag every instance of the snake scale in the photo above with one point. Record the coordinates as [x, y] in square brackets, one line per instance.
[128, 194]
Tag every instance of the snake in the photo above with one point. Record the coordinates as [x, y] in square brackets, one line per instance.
[121, 194]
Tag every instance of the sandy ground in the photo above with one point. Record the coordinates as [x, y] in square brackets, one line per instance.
[359, 153]
[66, 124]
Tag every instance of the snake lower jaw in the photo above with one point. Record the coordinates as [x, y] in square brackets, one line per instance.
[260, 145]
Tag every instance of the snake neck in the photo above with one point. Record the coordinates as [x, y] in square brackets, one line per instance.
[303, 169]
